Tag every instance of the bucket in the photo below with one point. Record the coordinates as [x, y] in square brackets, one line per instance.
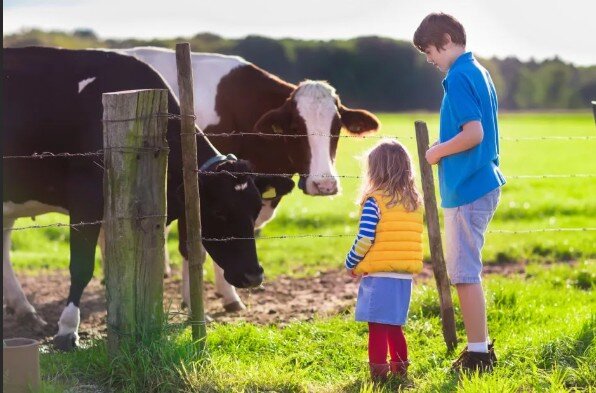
[20, 365]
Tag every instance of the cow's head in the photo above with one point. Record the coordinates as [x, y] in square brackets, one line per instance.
[230, 203]
[314, 110]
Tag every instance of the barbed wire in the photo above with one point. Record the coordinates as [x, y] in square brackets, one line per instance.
[82, 223]
[326, 175]
[298, 236]
[122, 149]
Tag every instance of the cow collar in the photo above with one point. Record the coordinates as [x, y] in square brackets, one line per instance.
[215, 159]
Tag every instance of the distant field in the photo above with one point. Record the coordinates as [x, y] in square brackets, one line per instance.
[525, 204]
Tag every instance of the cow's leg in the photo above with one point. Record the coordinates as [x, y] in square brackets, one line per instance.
[85, 205]
[16, 302]
[167, 272]
[82, 259]
[101, 242]
[230, 299]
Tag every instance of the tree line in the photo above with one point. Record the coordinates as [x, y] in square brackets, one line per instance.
[376, 73]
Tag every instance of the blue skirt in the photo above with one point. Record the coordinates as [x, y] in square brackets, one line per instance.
[383, 300]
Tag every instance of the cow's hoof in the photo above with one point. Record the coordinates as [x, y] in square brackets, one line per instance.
[67, 342]
[32, 320]
[234, 306]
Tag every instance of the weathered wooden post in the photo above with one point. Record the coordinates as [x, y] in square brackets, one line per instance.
[135, 161]
[434, 237]
[196, 252]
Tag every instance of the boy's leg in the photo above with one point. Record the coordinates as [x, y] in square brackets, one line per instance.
[464, 229]
[473, 309]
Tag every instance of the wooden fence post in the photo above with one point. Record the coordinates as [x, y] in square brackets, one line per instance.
[196, 252]
[434, 237]
[135, 160]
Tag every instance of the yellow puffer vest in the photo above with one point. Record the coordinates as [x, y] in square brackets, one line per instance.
[398, 241]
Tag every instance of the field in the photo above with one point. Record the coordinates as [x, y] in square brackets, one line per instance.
[543, 319]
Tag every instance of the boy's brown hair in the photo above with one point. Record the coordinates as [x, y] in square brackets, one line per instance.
[433, 28]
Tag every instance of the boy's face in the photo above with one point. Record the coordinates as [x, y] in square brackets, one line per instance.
[439, 58]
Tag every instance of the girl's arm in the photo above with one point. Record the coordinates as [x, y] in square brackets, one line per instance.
[366, 233]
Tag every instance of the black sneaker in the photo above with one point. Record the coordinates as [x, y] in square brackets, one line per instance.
[472, 361]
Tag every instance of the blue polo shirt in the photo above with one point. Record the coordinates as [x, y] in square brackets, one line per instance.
[469, 94]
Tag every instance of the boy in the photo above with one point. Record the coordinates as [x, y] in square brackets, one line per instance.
[467, 153]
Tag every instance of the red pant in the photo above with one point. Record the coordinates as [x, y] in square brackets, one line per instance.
[382, 337]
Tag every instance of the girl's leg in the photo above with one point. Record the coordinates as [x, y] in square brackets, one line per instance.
[377, 343]
[398, 348]
[377, 351]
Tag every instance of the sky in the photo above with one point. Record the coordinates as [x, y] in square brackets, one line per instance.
[525, 29]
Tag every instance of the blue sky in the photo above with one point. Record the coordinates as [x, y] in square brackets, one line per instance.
[525, 29]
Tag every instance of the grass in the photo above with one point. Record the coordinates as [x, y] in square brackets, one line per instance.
[525, 203]
[543, 324]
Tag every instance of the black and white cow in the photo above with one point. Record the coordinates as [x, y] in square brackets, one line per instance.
[233, 95]
[52, 102]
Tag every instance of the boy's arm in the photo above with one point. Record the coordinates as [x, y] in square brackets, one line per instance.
[471, 135]
[366, 234]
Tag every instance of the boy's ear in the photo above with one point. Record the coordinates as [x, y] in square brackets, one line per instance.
[273, 186]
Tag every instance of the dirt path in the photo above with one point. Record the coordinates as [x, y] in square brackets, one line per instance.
[281, 301]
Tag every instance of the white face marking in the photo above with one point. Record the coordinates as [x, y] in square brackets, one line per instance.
[29, 209]
[208, 69]
[241, 187]
[85, 82]
[316, 104]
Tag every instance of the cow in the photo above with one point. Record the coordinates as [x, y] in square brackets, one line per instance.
[52, 102]
[302, 124]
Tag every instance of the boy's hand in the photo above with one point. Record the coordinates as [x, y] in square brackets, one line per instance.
[433, 155]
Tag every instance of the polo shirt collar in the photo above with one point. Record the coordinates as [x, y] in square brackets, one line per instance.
[463, 58]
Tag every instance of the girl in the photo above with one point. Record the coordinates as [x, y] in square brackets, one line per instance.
[386, 252]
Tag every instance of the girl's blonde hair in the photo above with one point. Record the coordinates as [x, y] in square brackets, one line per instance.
[389, 172]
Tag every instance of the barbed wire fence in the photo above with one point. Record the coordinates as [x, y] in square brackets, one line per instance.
[101, 152]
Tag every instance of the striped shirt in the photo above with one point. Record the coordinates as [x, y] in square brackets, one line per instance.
[366, 233]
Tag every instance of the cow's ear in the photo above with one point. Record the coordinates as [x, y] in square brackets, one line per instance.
[273, 186]
[358, 121]
[276, 121]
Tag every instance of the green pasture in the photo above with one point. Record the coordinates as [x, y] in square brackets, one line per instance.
[526, 204]
[543, 325]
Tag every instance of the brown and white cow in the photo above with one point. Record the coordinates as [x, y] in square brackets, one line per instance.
[232, 95]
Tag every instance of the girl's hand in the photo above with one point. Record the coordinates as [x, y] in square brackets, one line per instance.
[433, 155]
[353, 275]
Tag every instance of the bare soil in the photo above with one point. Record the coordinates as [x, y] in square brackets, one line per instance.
[283, 300]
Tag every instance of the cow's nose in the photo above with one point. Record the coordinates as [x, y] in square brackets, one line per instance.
[327, 186]
[253, 280]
